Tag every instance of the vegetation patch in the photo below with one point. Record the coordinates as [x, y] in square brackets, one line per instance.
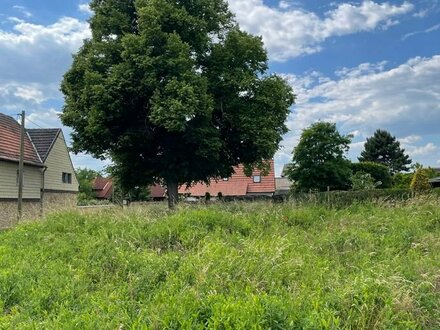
[227, 266]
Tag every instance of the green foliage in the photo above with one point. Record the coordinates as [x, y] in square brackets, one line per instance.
[241, 266]
[319, 161]
[379, 172]
[363, 181]
[420, 181]
[384, 149]
[343, 199]
[85, 178]
[174, 92]
[402, 180]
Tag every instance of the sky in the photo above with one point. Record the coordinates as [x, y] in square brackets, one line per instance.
[363, 65]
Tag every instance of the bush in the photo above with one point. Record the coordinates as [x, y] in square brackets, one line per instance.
[402, 180]
[347, 198]
[420, 181]
[378, 172]
[363, 181]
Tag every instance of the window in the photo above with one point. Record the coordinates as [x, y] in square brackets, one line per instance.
[225, 179]
[257, 178]
[67, 177]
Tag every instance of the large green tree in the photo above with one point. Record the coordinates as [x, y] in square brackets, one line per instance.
[383, 148]
[174, 92]
[318, 159]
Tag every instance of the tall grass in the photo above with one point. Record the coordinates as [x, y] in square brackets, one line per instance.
[231, 266]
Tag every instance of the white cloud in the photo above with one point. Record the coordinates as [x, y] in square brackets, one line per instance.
[428, 30]
[44, 119]
[421, 13]
[284, 5]
[410, 139]
[23, 10]
[404, 100]
[85, 8]
[425, 150]
[289, 33]
[40, 53]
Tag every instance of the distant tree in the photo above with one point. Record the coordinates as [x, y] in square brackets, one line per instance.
[318, 159]
[383, 148]
[420, 181]
[379, 172]
[85, 178]
[174, 92]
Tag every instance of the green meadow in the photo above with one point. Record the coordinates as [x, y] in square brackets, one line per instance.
[226, 266]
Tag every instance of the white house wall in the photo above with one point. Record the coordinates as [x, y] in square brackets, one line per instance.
[8, 181]
[57, 162]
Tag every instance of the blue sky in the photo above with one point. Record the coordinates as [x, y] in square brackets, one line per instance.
[362, 64]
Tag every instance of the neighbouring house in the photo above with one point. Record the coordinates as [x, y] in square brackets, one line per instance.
[283, 184]
[158, 193]
[103, 188]
[49, 176]
[435, 182]
[238, 185]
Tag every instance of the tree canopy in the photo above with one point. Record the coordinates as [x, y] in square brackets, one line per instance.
[318, 159]
[85, 178]
[174, 92]
[383, 148]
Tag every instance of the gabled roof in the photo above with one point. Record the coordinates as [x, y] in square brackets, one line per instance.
[103, 187]
[157, 191]
[237, 185]
[43, 140]
[10, 143]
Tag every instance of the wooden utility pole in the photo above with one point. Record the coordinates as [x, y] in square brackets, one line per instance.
[21, 168]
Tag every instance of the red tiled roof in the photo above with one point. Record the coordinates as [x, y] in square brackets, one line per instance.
[237, 185]
[103, 187]
[10, 143]
[157, 191]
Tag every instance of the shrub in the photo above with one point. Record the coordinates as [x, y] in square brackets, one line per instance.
[420, 181]
[363, 181]
[379, 172]
[402, 180]
[347, 198]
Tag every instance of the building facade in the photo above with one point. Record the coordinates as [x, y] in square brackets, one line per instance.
[49, 177]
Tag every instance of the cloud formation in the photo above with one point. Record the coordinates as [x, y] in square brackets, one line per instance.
[40, 53]
[404, 100]
[289, 33]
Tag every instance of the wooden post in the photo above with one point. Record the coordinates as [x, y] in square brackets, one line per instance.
[21, 168]
[328, 195]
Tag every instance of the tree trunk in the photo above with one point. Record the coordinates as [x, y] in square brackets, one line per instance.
[173, 194]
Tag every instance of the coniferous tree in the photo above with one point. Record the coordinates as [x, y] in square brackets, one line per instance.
[383, 148]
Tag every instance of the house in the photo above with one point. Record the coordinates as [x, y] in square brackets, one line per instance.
[49, 177]
[283, 184]
[157, 192]
[435, 182]
[238, 185]
[103, 188]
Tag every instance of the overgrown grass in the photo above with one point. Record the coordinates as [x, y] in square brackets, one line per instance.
[232, 266]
